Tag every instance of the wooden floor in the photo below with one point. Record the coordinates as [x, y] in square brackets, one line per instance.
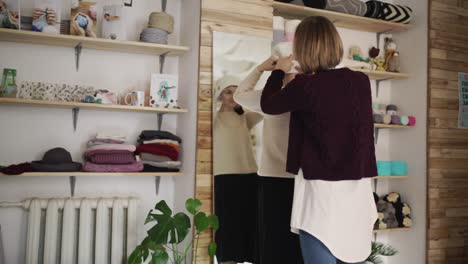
[447, 145]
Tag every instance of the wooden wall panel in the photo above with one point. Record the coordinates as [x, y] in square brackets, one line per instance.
[246, 17]
[447, 145]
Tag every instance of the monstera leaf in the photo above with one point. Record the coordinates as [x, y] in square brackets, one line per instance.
[172, 229]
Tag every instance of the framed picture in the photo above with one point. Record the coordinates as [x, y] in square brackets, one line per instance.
[83, 20]
[10, 14]
[163, 92]
[46, 16]
[113, 25]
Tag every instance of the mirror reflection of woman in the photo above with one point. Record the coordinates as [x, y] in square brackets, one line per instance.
[235, 181]
[331, 146]
[276, 243]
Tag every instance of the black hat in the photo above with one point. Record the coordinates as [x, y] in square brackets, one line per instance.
[56, 160]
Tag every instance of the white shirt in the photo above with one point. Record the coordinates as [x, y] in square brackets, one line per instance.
[341, 214]
[275, 129]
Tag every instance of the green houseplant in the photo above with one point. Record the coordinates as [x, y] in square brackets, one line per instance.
[163, 243]
[378, 250]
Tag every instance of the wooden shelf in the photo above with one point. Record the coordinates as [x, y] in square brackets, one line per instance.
[90, 43]
[70, 105]
[391, 126]
[384, 75]
[97, 174]
[391, 177]
[339, 19]
[392, 230]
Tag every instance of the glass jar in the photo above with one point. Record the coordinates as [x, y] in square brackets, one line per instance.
[8, 87]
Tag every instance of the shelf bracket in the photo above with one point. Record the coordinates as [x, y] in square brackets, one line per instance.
[78, 49]
[129, 4]
[160, 120]
[75, 113]
[157, 183]
[72, 185]
[162, 60]
[376, 135]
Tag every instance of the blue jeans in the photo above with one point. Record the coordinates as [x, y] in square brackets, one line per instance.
[315, 252]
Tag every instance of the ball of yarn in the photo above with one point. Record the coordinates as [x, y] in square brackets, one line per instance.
[161, 20]
[412, 120]
[82, 21]
[154, 35]
[396, 120]
[404, 120]
[378, 119]
[387, 119]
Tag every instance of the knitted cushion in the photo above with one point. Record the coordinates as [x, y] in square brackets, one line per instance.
[352, 7]
[373, 9]
[396, 13]
[315, 3]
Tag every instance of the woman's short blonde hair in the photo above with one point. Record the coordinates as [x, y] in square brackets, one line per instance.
[317, 45]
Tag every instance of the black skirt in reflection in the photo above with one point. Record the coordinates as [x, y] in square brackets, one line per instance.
[236, 207]
[276, 243]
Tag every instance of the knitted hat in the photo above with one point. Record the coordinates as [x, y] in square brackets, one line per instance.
[223, 83]
[284, 49]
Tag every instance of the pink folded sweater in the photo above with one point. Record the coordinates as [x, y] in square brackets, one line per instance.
[133, 167]
[126, 147]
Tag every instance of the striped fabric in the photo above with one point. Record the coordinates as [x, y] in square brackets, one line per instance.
[396, 13]
[352, 7]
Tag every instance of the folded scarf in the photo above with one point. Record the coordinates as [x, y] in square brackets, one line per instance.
[60, 167]
[167, 164]
[90, 153]
[117, 136]
[17, 169]
[149, 168]
[167, 141]
[120, 158]
[92, 167]
[95, 142]
[158, 149]
[126, 147]
[156, 134]
[152, 157]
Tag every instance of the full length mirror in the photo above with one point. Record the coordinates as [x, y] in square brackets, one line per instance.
[252, 191]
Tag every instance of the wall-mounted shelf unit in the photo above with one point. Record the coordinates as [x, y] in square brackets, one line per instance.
[339, 19]
[96, 174]
[71, 105]
[391, 177]
[90, 43]
[392, 230]
[384, 75]
[391, 126]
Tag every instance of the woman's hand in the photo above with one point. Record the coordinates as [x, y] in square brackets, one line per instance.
[268, 64]
[285, 64]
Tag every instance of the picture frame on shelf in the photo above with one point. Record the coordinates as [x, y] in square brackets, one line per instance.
[163, 91]
[83, 19]
[113, 23]
[10, 14]
[46, 16]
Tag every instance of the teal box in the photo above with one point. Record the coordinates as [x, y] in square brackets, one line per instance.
[399, 168]
[384, 168]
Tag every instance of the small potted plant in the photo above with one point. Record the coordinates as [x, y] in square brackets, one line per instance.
[378, 250]
[163, 242]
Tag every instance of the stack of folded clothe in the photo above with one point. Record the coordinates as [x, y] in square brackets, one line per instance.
[159, 151]
[110, 153]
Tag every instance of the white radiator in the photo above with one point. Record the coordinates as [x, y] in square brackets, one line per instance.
[79, 230]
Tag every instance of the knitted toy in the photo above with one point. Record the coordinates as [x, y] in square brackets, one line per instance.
[380, 62]
[390, 50]
[355, 53]
[373, 54]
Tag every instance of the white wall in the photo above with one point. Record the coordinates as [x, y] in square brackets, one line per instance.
[27, 132]
[411, 96]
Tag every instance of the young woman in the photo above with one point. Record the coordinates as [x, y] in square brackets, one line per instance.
[235, 181]
[331, 146]
[276, 243]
